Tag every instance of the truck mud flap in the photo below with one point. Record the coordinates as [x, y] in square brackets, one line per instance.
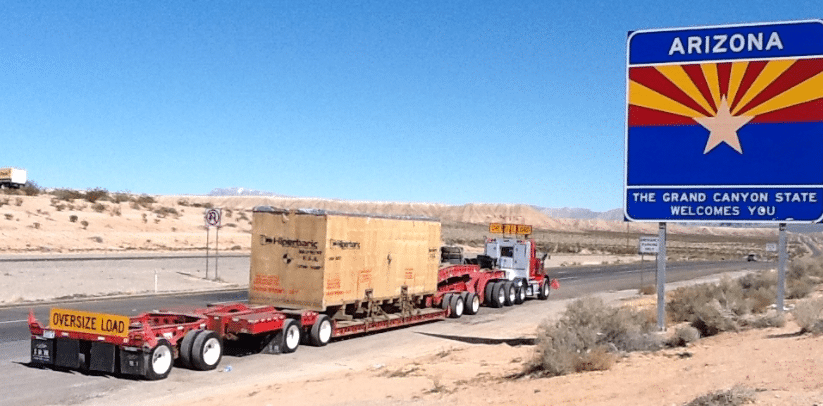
[131, 362]
[273, 343]
[42, 351]
[67, 353]
[102, 357]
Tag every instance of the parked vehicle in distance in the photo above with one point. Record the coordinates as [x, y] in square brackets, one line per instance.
[12, 178]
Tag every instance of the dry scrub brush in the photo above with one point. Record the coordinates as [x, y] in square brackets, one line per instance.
[735, 396]
[588, 337]
[809, 315]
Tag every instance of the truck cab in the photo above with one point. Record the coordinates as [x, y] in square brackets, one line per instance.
[518, 258]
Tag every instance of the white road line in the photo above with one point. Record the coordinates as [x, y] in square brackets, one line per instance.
[13, 321]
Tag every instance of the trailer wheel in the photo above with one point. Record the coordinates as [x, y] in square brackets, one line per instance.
[472, 302]
[158, 361]
[456, 306]
[543, 293]
[207, 351]
[511, 293]
[498, 294]
[185, 347]
[520, 291]
[291, 335]
[445, 302]
[320, 333]
[488, 293]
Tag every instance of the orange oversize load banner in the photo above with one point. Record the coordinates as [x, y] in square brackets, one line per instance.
[497, 228]
[86, 322]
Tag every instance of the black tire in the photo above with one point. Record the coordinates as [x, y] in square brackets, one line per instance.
[488, 293]
[185, 347]
[456, 306]
[291, 335]
[472, 302]
[511, 294]
[158, 361]
[207, 351]
[519, 291]
[543, 293]
[321, 331]
[498, 294]
[444, 303]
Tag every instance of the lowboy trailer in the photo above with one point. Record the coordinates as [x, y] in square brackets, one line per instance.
[314, 276]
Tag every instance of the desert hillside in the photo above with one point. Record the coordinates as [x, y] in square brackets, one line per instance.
[69, 221]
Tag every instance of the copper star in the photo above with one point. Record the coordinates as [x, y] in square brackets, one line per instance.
[723, 127]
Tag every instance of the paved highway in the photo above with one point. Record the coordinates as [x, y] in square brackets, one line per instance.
[26, 385]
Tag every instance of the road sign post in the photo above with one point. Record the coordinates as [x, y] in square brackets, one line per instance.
[724, 125]
[213, 218]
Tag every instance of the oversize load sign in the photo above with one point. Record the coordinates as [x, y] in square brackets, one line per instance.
[498, 228]
[725, 124]
[92, 323]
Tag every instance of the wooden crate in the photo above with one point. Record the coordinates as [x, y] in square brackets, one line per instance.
[313, 259]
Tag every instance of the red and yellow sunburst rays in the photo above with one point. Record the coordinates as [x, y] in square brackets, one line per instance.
[726, 94]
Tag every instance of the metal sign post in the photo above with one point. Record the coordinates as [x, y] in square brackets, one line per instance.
[661, 278]
[781, 267]
[213, 218]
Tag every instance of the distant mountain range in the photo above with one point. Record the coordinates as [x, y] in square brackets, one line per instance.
[240, 191]
[582, 214]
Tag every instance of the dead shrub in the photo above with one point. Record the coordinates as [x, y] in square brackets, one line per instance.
[9, 216]
[735, 396]
[683, 336]
[73, 218]
[647, 290]
[99, 207]
[116, 211]
[809, 315]
[85, 224]
[587, 336]
[163, 212]
[145, 201]
[67, 195]
[18, 201]
[121, 197]
[92, 196]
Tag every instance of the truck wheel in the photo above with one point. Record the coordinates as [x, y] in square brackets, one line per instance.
[519, 291]
[511, 293]
[444, 303]
[543, 293]
[488, 293]
[456, 306]
[320, 333]
[291, 336]
[499, 294]
[207, 351]
[158, 361]
[185, 347]
[472, 302]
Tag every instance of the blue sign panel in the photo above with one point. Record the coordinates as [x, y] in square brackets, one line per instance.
[725, 124]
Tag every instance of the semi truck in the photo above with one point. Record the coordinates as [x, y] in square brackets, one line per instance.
[314, 276]
[12, 178]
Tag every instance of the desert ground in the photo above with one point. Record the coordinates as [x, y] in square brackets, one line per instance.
[778, 365]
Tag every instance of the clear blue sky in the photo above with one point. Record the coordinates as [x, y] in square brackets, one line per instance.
[420, 101]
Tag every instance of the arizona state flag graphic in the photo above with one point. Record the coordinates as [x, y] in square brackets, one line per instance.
[725, 124]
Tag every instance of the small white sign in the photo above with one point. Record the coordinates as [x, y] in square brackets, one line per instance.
[649, 245]
[771, 247]
[213, 217]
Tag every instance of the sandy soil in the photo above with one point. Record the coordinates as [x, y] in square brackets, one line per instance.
[781, 367]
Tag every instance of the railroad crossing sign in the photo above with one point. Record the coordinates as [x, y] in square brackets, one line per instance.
[213, 217]
[725, 124]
